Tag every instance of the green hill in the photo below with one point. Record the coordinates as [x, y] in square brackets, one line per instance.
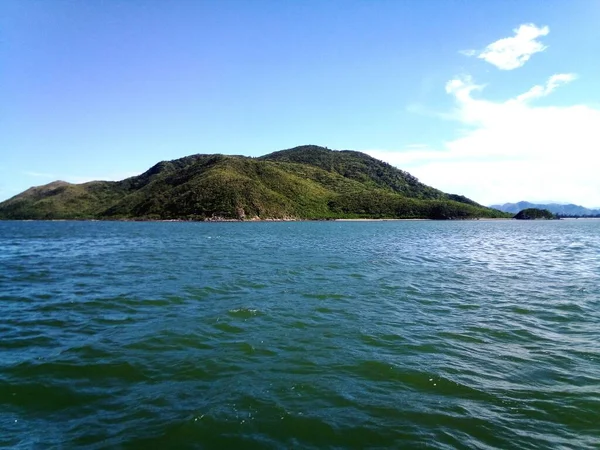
[308, 182]
[534, 214]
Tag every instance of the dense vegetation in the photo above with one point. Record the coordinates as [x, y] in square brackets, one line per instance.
[307, 182]
[535, 214]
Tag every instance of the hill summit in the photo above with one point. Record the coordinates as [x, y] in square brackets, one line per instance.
[307, 182]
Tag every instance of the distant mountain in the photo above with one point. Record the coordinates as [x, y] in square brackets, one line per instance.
[555, 208]
[307, 182]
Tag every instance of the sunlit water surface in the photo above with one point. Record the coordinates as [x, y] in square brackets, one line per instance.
[479, 334]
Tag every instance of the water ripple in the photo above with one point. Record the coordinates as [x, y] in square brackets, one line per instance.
[444, 335]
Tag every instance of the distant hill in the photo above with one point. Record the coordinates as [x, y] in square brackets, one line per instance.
[535, 214]
[555, 208]
[307, 182]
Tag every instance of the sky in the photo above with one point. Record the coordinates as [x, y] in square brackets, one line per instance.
[495, 100]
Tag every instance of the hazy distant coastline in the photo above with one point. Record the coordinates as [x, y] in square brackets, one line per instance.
[569, 209]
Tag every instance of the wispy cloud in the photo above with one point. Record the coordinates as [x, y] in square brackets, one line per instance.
[418, 146]
[468, 52]
[542, 90]
[512, 52]
[512, 150]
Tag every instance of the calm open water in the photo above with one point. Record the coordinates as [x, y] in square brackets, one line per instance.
[478, 334]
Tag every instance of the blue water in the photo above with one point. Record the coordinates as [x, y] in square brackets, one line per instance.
[477, 334]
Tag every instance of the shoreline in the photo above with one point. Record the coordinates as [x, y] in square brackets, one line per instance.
[257, 220]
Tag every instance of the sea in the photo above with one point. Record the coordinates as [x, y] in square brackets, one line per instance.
[480, 334]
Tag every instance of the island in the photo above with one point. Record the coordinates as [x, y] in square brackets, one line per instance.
[535, 214]
[303, 183]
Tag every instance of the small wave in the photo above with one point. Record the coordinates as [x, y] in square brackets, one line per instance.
[244, 313]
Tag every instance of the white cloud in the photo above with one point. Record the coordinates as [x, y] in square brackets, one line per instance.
[468, 52]
[511, 150]
[512, 52]
[541, 91]
[417, 146]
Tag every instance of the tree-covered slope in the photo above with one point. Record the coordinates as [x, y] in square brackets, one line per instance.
[360, 167]
[534, 214]
[303, 183]
[62, 200]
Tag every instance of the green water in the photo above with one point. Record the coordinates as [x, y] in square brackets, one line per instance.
[300, 335]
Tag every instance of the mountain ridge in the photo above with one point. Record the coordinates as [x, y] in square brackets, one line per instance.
[305, 182]
[568, 209]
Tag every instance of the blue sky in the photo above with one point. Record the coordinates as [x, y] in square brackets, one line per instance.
[443, 89]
